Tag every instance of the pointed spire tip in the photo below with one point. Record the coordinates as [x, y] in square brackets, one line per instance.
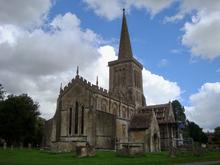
[97, 81]
[77, 71]
[125, 51]
[61, 87]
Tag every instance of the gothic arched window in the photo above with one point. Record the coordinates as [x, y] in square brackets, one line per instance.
[70, 121]
[82, 120]
[76, 117]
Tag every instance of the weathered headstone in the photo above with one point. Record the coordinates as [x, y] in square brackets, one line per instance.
[85, 150]
[4, 145]
[21, 145]
[131, 149]
[81, 151]
[90, 150]
[12, 147]
[29, 145]
[172, 152]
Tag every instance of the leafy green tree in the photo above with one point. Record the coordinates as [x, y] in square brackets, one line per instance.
[196, 133]
[180, 117]
[2, 93]
[216, 138]
[39, 131]
[179, 111]
[189, 129]
[18, 119]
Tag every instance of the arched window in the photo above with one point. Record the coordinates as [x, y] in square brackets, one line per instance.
[70, 121]
[76, 117]
[82, 120]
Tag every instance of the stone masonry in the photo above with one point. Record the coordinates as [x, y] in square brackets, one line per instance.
[89, 114]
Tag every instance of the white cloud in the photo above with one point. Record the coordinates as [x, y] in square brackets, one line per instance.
[24, 12]
[199, 5]
[67, 22]
[189, 6]
[158, 90]
[202, 33]
[162, 63]
[151, 6]
[112, 9]
[55, 51]
[109, 9]
[204, 108]
[8, 33]
[100, 66]
[36, 62]
[174, 18]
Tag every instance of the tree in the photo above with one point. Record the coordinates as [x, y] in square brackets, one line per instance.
[180, 117]
[18, 119]
[216, 138]
[179, 111]
[196, 133]
[39, 131]
[189, 128]
[2, 93]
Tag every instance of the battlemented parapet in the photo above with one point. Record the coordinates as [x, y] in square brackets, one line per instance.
[92, 87]
[87, 84]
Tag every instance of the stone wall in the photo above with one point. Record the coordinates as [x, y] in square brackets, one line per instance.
[64, 146]
[95, 119]
[122, 130]
[155, 135]
[167, 135]
[137, 136]
[125, 81]
[105, 130]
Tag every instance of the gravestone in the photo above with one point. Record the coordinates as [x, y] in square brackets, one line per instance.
[90, 150]
[4, 145]
[130, 149]
[85, 150]
[172, 152]
[21, 145]
[12, 147]
[29, 145]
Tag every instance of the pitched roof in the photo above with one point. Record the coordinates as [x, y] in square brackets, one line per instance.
[167, 105]
[164, 112]
[125, 51]
[141, 121]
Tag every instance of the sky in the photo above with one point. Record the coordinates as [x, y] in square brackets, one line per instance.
[178, 42]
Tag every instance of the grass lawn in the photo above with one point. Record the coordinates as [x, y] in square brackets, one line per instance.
[37, 157]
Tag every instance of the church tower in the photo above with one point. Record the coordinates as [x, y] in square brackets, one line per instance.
[125, 73]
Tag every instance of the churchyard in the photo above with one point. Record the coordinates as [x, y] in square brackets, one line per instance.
[17, 156]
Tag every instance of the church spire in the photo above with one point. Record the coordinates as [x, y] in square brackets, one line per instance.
[61, 87]
[77, 70]
[97, 81]
[125, 51]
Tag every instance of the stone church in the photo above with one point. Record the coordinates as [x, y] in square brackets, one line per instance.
[105, 118]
